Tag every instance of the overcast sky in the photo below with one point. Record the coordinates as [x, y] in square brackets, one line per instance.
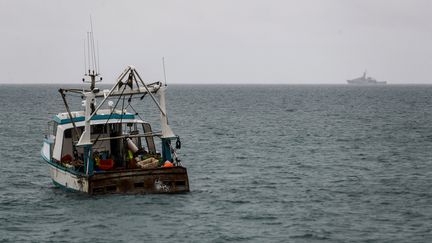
[220, 41]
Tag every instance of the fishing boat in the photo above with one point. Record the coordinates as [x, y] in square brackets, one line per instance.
[107, 149]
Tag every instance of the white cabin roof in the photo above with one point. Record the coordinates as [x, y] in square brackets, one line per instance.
[79, 116]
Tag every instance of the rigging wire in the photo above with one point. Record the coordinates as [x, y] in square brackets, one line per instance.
[112, 112]
[136, 112]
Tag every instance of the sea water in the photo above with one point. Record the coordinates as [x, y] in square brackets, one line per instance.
[266, 164]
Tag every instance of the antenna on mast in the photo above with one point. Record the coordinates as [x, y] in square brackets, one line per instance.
[92, 58]
[95, 68]
[163, 65]
[85, 59]
[97, 54]
[89, 54]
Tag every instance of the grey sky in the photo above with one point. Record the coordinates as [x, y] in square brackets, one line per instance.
[223, 41]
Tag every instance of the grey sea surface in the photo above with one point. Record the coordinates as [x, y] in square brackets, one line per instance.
[266, 163]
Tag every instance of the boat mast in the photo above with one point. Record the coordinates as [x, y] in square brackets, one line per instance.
[90, 100]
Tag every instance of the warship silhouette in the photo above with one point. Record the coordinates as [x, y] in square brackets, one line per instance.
[365, 80]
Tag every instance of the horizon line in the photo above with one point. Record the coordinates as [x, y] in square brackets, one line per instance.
[233, 83]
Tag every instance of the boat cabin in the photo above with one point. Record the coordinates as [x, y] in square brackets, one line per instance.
[121, 141]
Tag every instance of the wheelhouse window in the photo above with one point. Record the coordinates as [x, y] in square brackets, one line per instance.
[51, 129]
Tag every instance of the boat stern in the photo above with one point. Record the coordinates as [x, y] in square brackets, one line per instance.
[138, 181]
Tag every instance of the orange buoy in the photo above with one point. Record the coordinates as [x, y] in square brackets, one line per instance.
[106, 164]
[168, 164]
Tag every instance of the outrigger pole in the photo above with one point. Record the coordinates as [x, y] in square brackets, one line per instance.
[151, 95]
[61, 91]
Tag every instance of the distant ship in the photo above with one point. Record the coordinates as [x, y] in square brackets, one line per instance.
[365, 80]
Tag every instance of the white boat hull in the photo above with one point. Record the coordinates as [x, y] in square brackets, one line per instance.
[68, 180]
